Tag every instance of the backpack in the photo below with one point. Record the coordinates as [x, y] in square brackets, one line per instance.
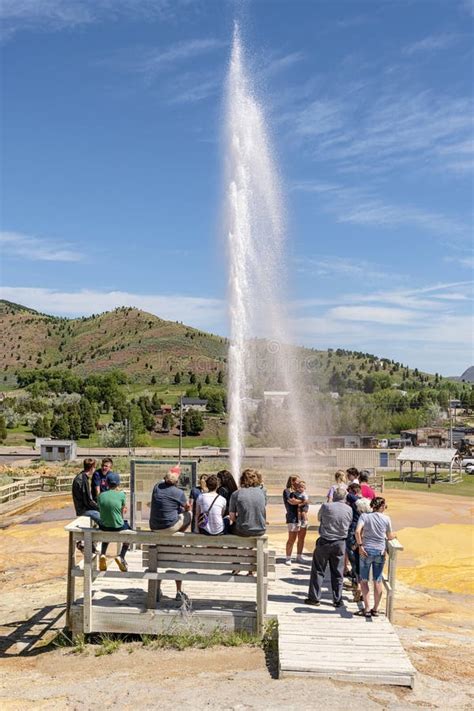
[203, 518]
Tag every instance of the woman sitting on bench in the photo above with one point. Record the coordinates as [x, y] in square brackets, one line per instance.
[210, 509]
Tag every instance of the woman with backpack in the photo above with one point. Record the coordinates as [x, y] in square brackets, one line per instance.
[210, 509]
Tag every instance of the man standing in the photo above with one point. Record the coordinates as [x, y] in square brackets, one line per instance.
[169, 512]
[334, 521]
[99, 480]
[81, 492]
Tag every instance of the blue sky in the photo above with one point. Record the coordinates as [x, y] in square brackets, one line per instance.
[112, 163]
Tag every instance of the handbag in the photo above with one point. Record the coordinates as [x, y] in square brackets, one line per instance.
[203, 518]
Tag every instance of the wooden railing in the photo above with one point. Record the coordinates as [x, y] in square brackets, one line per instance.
[393, 548]
[44, 483]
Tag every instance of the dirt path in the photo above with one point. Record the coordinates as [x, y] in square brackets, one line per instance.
[435, 625]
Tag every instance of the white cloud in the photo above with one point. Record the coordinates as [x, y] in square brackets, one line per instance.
[335, 266]
[194, 311]
[54, 15]
[374, 314]
[463, 261]
[431, 43]
[155, 61]
[399, 127]
[17, 244]
[360, 206]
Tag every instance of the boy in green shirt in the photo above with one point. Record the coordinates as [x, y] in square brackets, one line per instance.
[112, 508]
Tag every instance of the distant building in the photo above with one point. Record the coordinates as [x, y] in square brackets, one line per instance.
[166, 410]
[276, 397]
[352, 441]
[366, 458]
[58, 450]
[194, 403]
[426, 436]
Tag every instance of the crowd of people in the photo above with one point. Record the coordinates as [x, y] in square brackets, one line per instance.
[353, 525]
[353, 534]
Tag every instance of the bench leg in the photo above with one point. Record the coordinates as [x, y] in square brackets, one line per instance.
[261, 578]
[153, 585]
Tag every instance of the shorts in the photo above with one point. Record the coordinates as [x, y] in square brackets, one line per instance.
[292, 527]
[184, 520]
[376, 561]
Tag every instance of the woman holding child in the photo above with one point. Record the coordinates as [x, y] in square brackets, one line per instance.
[295, 499]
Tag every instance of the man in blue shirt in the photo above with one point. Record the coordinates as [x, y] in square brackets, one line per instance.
[99, 478]
[169, 512]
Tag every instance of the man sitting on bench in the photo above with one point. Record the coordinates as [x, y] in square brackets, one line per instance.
[169, 512]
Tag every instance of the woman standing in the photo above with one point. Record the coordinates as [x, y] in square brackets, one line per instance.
[296, 529]
[372, 533]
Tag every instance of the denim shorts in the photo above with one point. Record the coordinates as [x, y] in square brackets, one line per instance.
[375, 560]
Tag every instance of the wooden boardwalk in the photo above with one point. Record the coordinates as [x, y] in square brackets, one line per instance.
[322, 641]
[333, 643]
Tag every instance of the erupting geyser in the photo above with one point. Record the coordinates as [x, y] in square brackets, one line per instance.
[256, 237]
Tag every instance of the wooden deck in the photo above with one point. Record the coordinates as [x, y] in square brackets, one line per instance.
[333, 643]
[323, 641]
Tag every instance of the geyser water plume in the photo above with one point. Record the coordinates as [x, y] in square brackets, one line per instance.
[256, 237]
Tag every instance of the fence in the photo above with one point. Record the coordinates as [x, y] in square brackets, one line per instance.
[393, 547]
[44, 483]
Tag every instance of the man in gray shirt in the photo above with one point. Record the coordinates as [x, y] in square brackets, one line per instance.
[335, 519]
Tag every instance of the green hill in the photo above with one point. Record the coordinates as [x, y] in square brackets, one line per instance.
[137, 343]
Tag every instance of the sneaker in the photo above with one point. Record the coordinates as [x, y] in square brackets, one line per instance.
[181, 597]
[339, 603]
[122, 564]
[299, 559]
[314, 603]
[288, 561]
[103, 563]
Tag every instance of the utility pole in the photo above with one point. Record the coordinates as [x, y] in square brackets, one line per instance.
[180, 427]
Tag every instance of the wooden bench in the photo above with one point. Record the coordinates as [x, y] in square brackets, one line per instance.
[180, 556]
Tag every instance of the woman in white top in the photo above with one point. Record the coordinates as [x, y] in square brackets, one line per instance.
[210, 509]
[372, 533]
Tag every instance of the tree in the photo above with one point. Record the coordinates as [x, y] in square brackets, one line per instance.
[3, 429]
[192, 378]
[193, 423]
[207, 379]
[60, 427]
[177, 379]
[153, 380]
[220, 377]
[87, 417]
[75, 425]
[167, 423]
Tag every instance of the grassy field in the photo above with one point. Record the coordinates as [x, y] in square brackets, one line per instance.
[463, 488]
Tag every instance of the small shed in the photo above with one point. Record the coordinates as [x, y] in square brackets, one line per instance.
[437, 457]
[58, 450]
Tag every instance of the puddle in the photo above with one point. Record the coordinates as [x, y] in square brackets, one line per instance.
[64, 514]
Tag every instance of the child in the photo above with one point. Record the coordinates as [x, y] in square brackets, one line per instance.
[112, 508]
[339, 480]
[303, 508]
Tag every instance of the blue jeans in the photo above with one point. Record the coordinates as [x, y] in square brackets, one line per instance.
[375, 560]
[94, 515]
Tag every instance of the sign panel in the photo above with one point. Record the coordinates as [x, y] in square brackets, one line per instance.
[144, 474]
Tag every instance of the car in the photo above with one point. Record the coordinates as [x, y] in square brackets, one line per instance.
[469, 468]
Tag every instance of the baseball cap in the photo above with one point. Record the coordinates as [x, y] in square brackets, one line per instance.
[113, 478]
